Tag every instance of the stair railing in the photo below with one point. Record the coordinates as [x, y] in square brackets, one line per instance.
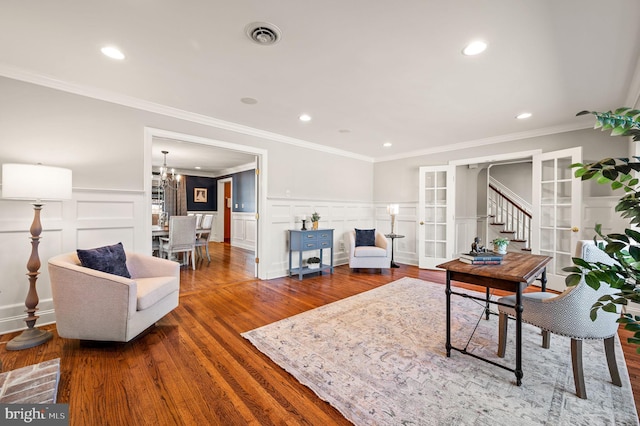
[514, 217]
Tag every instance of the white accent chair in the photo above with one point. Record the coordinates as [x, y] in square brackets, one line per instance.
[568, 314]
[182, 238]
[94, 305]
[204, 235]
[378, 256]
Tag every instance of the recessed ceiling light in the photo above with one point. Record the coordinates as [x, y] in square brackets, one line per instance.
[197, 167]
[112, 52]
[474, 48]
[523, 115]
[305, 117]
[249, 101]
[344, 131]
[387, 144]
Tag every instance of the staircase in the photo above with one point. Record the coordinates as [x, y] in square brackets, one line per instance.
[509, 217]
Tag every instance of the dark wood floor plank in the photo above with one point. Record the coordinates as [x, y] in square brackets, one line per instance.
[194, 367]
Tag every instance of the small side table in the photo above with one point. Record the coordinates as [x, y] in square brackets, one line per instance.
[393, 237]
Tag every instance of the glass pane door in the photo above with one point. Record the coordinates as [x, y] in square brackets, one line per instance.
[436, 215]
[557, 212]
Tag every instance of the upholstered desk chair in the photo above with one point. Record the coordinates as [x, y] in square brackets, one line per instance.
[95, 305]
[204, 235]
[568, 314]
[182, 238]
[375, 254]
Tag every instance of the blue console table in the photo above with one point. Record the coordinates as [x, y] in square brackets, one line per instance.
[311, 239]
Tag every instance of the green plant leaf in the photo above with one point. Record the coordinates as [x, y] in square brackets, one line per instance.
[592, 281]
[572, 280]
[620, 237]
[633, 234]
[614, 247]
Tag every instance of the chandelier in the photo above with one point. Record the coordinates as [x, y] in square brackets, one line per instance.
[168, 178]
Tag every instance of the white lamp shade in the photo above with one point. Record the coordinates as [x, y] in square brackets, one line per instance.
[35, 182]
[393, 209]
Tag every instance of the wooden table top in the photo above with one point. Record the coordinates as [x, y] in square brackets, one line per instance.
[515, 267]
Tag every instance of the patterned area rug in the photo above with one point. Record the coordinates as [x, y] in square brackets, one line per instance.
[379, 358]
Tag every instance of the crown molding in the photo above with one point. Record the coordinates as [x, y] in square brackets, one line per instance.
[489, 141]
[128, 101]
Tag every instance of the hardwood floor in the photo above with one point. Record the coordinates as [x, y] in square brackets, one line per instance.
[193, 367]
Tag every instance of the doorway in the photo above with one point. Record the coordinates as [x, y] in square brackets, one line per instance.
[256, 155]
[225, 200]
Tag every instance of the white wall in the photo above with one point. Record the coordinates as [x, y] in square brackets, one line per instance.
[397, 180]
[103, 143]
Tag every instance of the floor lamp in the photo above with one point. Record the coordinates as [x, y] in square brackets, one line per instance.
[36, 183]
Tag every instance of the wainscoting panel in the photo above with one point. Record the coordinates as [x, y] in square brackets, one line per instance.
[92, 218]
[340, 216]
[466, 231]
[244, 231]
[105, 210]
[88, 238]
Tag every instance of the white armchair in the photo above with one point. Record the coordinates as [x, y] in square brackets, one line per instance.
[376, 256]
[567, 314]
[94, 305]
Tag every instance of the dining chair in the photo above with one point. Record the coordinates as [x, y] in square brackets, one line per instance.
[182, 238]
[568, 314]
[204, 235]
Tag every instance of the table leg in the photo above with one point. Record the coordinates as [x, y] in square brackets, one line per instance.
[487, 311]
[519, 309]
[448, 293]
[543, 279]
[393, 263]
[300, 265]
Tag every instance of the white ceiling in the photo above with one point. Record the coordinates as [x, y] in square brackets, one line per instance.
[368, 72]
[197, 159]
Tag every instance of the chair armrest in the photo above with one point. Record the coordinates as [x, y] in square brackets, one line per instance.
[382, 242]
[145, 266]
[352, 243]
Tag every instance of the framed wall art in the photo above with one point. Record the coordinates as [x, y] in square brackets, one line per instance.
[199, 195]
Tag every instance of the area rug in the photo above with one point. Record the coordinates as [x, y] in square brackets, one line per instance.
[379, 358]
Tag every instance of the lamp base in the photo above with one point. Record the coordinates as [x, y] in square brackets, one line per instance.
[28, 339]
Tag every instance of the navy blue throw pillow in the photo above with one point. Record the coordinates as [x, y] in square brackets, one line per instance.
[109, 259]
[365, 237]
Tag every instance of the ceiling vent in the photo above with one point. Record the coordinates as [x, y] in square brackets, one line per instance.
[263, 33]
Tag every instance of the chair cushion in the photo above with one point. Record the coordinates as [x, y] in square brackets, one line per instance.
[368, 251]
[365, 237]
[109, 259]
[151, 290]
[538, 296]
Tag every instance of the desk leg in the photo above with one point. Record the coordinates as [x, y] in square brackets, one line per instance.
[487, 311]
[448, 293]
[543, 279]
[519, 336]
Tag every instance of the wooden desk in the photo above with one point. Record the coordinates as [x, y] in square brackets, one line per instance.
[516, 272]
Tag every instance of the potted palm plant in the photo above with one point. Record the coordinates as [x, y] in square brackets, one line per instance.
[624, 246]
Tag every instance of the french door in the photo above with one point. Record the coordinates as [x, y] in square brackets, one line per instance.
[556, 222]
[436, 215]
